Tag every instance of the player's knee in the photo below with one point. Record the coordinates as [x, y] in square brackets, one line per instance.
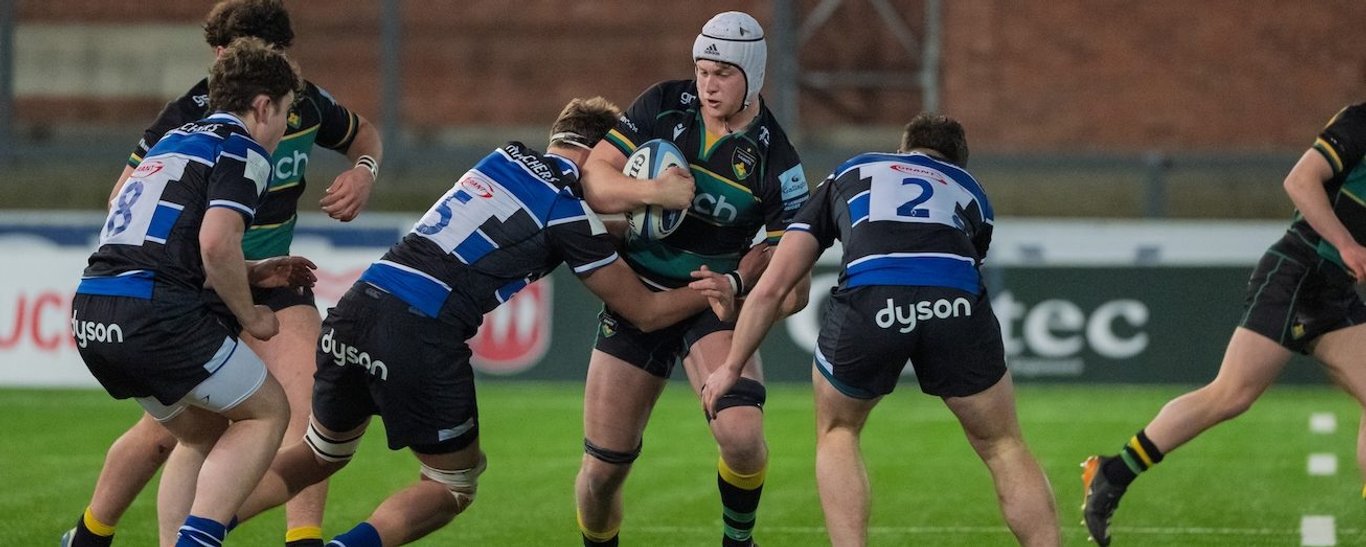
[331, 451]
[1230, 401]
[604, 471]
[746, 392]
[462, 484]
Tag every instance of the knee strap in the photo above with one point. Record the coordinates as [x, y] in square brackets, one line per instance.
[331, 450]
[746, 392]
[611, 456]
[462, 483]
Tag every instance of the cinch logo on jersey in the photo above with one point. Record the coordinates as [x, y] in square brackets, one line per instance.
[343, 354]
[715, 206]
[291, 166]
[90, 331]
[921, 311]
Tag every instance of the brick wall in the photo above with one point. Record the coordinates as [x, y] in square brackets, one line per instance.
[1067, 75]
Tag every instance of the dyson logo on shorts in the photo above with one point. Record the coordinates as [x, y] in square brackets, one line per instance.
[90, 331]
[343, 355]
[921, 311]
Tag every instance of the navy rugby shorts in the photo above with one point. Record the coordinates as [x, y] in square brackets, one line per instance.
[1294, 296]
[377, 355]
[654, 352]
[950, 337]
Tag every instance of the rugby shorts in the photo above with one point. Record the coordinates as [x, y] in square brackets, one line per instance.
[379, 356]
[950, 337]
[654, 352]
[1294, 296]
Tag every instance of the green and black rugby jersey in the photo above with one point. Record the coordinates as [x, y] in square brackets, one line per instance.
[747, 180]
[315, 118]
[1343, 143]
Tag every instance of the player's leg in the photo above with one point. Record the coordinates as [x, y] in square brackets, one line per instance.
[617, 401]
[290, 357]
[739, 433]
[990, 423]
[447, 487]
[130, 463]
[296, 467]
[1251, 364]
[1341, 353]
[840, 474]
[241, 391]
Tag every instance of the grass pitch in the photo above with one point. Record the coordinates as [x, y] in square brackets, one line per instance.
[1243, 483]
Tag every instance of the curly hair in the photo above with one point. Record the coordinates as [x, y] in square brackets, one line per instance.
[247, 68]
[584, 121]
[264, 19]
[939, 133]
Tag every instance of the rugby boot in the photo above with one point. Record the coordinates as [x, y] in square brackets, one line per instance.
[1100, 500]
[66, 538]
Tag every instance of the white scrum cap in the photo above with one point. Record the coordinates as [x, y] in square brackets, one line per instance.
[736, 38]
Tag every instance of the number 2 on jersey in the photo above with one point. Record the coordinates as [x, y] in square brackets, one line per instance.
[900, 199]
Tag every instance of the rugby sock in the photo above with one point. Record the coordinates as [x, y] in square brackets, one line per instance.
[304, 536]
[598, 539]
[201, 532]
[1136, 457]
[363, 535]
[90, 532]
[739, 502]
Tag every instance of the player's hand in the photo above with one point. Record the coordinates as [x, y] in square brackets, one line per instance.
[718, 384]
[1354, 257]
[349, 193]
[262, 325]
[753, 264]
[718, 290]
[675, 190]
[283, 271]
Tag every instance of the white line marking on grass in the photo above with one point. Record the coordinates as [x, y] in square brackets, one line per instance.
[1317, 530]
[945, 530]
[1323, 422]
[1323, 465]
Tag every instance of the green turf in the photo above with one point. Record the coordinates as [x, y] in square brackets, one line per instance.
[1243, 483]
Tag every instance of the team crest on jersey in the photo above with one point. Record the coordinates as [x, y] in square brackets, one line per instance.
[608, 328]
[516, 335]
[742, 162]
[294, 120]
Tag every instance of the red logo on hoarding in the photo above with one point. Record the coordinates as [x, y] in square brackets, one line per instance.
[477, 187]
[516, 335]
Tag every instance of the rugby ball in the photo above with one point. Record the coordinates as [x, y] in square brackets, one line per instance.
[652, 222]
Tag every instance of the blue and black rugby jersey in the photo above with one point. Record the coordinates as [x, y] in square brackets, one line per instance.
[507, 222]
[747, 180]
[315, 118]
[151, 236]
[904, 219]
[1343, 144]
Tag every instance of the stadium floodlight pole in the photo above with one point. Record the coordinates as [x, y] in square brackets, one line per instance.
[785, 67]
[6, 81]
[391, 73]
[929, 55]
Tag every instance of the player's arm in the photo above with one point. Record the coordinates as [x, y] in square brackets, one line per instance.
[1305, 185]
[118, 185]
[350, 191]
[607, 190]
[225, 269]
[622, 291]
[789, 269]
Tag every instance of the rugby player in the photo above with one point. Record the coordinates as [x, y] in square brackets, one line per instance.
[745, 176]
[1301, 299]
[315, 118]
[176, 227]
[915, 228]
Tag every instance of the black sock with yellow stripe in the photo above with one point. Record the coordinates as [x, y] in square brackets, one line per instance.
[739, 503]
[90, 532]
[597, 538]
[1138, 455]
[304, 536]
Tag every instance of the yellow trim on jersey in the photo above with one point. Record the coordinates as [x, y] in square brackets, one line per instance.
[722, 179]
[618, 138]
[313, 129]
[774, 233]
[284, 186]
[351, 120]
[1354, 197]
[1332, 154]
[709, 142]
[1138, 449]
[135, 159]
[270, 226]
